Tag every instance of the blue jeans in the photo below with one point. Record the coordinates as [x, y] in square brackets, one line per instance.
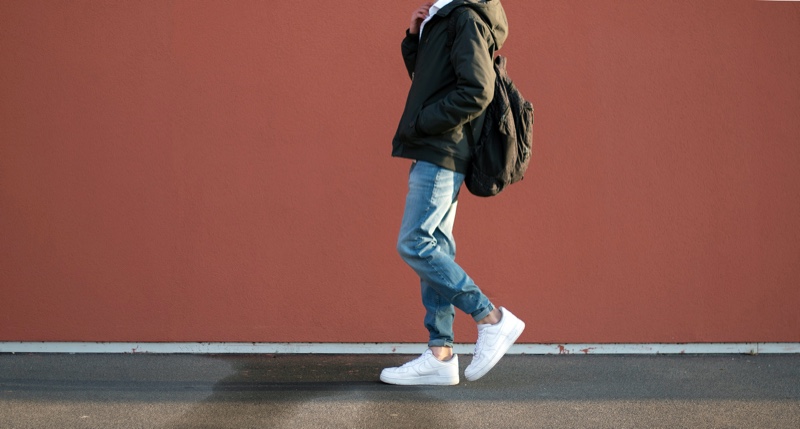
[426, 244]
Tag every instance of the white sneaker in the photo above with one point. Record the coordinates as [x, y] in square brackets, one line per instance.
[493, 342]
[425, 369]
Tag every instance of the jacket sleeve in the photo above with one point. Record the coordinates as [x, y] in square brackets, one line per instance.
[409, 49]
[475, 76]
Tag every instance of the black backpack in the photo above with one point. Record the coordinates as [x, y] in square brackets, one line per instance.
[502, 152]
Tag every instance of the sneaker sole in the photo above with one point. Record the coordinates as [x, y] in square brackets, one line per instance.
[510, 340]
[428, 380]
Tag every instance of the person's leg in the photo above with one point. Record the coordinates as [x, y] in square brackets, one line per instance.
[439, 313]
[426, 244]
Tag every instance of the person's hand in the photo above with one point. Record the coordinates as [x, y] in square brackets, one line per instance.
[417, 17]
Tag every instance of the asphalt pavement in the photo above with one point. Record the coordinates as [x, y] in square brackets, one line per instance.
[343, 391]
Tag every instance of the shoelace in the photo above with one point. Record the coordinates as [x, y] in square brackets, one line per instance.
[478, 343]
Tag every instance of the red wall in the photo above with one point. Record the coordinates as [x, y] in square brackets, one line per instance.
[220, 171]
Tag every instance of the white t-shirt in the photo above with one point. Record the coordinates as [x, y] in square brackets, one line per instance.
[432, 11]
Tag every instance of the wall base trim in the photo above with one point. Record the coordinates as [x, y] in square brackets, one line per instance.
[388, 348]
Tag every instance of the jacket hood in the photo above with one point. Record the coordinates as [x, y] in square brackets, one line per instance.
[492, 13]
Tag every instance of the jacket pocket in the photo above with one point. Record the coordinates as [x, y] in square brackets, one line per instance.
[409, 133]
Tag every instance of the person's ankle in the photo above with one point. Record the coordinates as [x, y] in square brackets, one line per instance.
[442, 353]
[492, 318]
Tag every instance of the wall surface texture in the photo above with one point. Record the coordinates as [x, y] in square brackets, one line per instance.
[210, 170]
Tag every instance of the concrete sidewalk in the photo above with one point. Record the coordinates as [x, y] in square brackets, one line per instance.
[342, 391]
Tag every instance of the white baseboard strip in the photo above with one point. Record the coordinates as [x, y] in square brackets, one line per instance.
[389, 348]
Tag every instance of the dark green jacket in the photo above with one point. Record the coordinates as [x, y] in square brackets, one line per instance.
[450, 86]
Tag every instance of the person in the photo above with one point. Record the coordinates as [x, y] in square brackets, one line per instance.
[452, 83]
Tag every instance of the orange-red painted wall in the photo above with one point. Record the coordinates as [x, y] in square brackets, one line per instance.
[219, 171]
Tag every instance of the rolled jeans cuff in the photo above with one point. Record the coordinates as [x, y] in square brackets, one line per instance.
[481, 313]
[440, 343]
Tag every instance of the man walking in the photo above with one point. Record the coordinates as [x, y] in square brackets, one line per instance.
[450, 65]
